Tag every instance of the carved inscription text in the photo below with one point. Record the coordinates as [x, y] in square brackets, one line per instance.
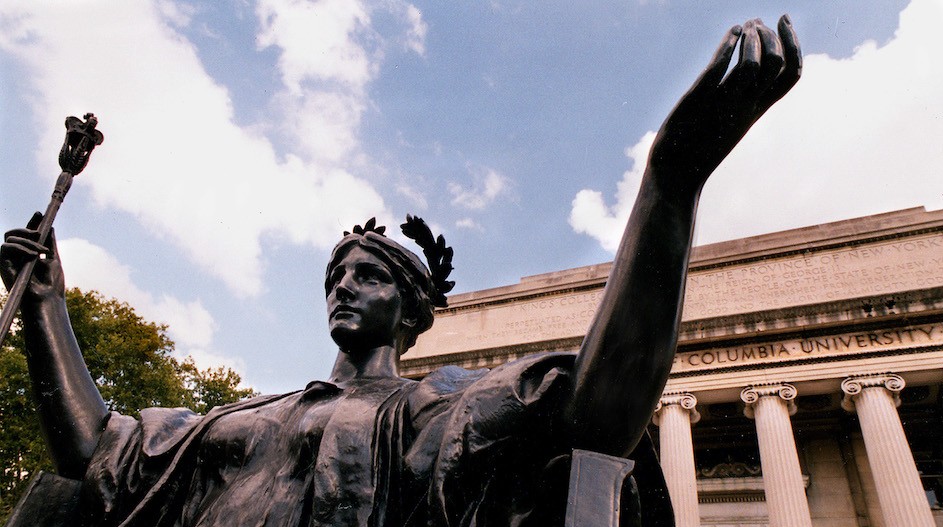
[887, 267]
[787, 350]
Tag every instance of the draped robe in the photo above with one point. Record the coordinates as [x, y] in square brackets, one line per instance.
[458, 448]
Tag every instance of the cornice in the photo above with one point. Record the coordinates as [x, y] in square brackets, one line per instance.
[846, 233]
[704, 264]
[885, 308]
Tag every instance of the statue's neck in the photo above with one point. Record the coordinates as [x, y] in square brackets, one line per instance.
[382, 361]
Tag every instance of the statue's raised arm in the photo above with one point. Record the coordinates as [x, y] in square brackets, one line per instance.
[627, 354]
[71, 409]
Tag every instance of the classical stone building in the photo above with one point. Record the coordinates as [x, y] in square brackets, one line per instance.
[806, 386]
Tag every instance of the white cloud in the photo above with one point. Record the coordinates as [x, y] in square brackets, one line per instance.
[590, 214]
[416, 35]
[328, 54]
[324, 69]
[91, 267]
[208, 359]
[468, 223]
[489, 184]
[856, 136]
[416, 197]
[173, 155]
[322, 126]
[189, 324]
[176, 14]
[317, 40]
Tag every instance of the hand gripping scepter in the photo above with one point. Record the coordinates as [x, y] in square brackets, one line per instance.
[81, 138]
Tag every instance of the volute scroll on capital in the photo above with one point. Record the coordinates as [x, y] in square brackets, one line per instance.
[685, 400]
[752, 394]
[852, 386]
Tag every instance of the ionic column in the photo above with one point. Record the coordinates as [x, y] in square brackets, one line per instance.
[771, 405]
[674, 416]
[875, 398]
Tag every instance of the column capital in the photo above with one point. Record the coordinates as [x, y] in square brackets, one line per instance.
[685, 400]
[752, 394]
[854, 385]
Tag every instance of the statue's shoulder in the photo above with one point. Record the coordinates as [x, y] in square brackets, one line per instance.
[555, 359]
[448, 379]
[454, 382]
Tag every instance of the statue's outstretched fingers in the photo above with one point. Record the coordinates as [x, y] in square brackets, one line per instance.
[743, 77]
[773, 59]
[791, 51]
[717, 68]
[792, 67]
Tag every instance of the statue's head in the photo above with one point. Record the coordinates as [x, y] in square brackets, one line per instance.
[370, 259]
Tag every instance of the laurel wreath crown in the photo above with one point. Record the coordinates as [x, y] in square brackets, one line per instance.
[438, 255]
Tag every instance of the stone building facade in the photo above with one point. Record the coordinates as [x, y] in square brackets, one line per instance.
[806, 389]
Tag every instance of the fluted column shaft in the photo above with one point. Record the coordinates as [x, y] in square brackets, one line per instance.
[900, 493]
[674, 416]
[771, 406]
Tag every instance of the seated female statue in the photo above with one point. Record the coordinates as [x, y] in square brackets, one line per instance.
[367, 447]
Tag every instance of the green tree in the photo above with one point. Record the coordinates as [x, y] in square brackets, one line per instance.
[211, 387]
[129, 358]
[131, 361]
[22, 450]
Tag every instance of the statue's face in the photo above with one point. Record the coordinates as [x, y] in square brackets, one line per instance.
[364, 303]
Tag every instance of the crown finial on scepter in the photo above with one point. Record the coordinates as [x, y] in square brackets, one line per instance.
[80, 139]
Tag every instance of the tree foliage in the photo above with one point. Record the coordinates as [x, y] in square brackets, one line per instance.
[210, 387]
[22, 451]
[133, 365]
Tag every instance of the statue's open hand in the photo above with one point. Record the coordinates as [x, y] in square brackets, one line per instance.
[717, 111]
[21, 246]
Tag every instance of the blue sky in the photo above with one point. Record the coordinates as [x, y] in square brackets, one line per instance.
[243, 137]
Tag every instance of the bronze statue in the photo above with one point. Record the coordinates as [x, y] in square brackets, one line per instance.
[459, 448]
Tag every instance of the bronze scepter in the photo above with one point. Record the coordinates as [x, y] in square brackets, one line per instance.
[81, 138]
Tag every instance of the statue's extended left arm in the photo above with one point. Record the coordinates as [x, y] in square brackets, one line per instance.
[627, 354]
